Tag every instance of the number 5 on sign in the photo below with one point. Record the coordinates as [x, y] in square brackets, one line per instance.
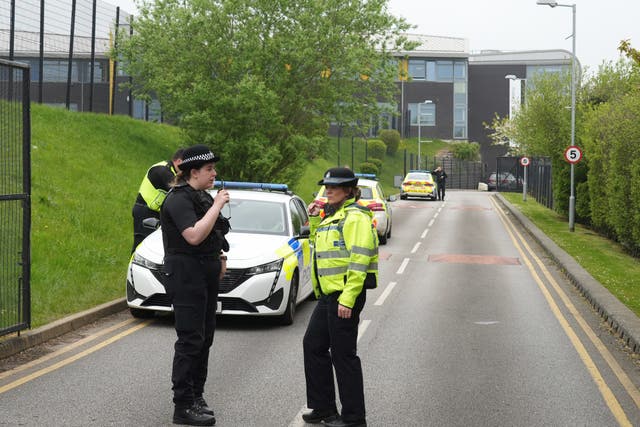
[573, 154]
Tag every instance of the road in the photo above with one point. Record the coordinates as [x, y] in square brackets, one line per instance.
[470, 326]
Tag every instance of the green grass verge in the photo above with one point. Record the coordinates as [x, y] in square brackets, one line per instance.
[605, 260]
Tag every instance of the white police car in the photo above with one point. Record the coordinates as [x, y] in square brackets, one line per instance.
[269, 260]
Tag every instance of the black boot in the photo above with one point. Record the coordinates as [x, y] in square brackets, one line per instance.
[202, 406]
[316, 416]
[192, 417]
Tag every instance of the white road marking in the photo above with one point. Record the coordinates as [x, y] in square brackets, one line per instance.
[490, 322]
[403, 266]
[431, 222]
[415, 248]
[424, 233]
[385, 293]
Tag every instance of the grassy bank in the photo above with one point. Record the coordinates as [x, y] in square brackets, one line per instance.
[605, 260]
[86, 170]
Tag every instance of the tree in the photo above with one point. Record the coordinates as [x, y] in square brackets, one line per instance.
[261, 80]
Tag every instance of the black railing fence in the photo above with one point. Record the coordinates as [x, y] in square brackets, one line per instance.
[67, 43]
[461, 174]
[509, 177]
[15, 198]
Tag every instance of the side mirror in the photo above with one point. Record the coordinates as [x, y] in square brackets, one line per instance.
[392, 198]
[315, 193]
[151, 223]
[305, 232]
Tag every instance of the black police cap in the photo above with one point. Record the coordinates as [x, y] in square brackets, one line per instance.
[342, 177]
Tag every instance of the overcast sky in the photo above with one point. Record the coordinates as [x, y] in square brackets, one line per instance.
[520, 24]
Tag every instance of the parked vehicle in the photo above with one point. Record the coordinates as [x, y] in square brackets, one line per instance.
[269, 261]
[419, 183]
[506, 181]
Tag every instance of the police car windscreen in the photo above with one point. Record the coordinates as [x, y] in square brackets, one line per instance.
[257, 216]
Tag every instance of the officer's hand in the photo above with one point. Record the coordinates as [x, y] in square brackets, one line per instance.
[222, 198]
[314, 208]
[344, 312]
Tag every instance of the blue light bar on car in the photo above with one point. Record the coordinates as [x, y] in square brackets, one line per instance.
[420, 170]
[366, 175]
[251, 185]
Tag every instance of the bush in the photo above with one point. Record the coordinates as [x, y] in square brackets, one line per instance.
[391, 139]
[376, 149]
[368, 167]
[466, 151]
[376, 162]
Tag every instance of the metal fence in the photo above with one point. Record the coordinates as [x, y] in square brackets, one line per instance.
[509, 177]
[15, 197]
[67, 44]
[461, 174]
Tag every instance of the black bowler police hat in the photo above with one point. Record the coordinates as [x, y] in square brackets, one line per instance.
[342, 177]
[196, 156]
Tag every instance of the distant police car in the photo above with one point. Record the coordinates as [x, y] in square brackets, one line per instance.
[371, 196]
[268, 266]
[419, 183]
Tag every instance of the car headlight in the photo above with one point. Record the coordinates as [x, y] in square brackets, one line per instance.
[265, 268]
[142, 261]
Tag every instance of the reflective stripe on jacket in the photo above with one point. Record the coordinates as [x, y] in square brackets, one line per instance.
[154, 197]
[345, 250]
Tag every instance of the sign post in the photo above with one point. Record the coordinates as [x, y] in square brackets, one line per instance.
[572, 154]
[524, 162]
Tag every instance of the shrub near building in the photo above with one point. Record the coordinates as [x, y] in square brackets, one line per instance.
[391, 139]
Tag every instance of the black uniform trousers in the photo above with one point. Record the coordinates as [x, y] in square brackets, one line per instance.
[192, 283]
[330, 340]
[140, 213]
[441, 190]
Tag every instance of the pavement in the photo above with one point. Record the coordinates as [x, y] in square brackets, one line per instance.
[623, 322]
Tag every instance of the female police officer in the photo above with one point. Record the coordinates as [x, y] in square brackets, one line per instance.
[345, 262]
[193, 269]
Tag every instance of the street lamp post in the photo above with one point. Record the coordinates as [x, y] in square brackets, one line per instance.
[572, 198]
[427, 101]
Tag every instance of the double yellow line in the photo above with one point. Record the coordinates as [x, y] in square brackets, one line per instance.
[605, 391]
[67, 349]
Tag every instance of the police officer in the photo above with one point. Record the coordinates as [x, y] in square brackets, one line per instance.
[153, 190]
[441, 181]
[345, 263]
[193, 265]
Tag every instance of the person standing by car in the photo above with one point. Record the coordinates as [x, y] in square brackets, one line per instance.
[193, 266]
[441, 178]
[345, 263]
[153, 190]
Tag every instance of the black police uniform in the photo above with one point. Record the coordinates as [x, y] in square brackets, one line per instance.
[192, 281]
[161, 177]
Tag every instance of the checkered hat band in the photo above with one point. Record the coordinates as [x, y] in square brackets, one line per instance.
[207, 157]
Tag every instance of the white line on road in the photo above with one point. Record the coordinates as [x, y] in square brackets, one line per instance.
[385, 293]
[431, 222]
[424, 233]
[436, 214]
[415, 248]
[362, 327]
[403, 266]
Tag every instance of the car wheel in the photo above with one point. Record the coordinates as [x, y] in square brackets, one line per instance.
[290, 312]
[403, 197]
[142, 314]
[389, 231]
[382, 239]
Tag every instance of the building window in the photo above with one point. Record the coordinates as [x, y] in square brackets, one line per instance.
[444, 70]
[460, 70]
[431, 71]
[427, 114]
[417, 69]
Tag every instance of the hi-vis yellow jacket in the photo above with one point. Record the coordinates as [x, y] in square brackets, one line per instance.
[345, 250]
[154, 197]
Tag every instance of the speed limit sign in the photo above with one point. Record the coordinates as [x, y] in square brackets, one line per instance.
[573, 154]
[524, 161]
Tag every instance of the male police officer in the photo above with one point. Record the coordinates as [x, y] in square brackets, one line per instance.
[153, 190]
[345, 262]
